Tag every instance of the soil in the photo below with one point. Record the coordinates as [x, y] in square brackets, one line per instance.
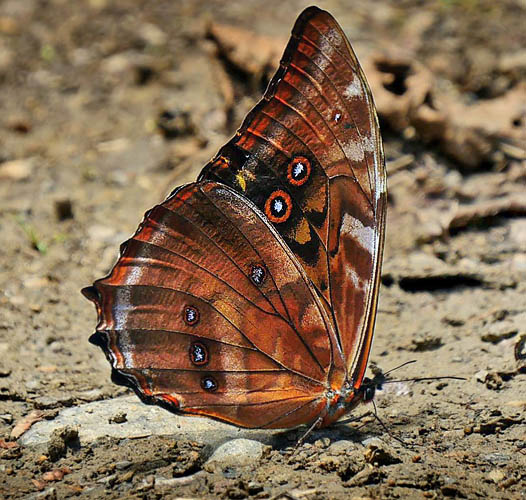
[107, 105]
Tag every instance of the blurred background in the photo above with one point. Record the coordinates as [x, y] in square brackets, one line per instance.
[106, 106]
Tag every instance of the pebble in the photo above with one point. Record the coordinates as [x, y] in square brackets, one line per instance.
[342, 446]
[91, 395]
[16, 170]
[496, 475]
[237, 452]
[380, 455]
[49, 402]
[7, 418]
[172, 482]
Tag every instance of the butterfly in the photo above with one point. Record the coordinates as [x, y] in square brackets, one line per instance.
[250, 295]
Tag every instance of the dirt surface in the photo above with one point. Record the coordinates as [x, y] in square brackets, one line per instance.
[107, 105]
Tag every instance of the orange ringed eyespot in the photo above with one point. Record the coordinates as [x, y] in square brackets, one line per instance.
[299, 171]
[278, 206]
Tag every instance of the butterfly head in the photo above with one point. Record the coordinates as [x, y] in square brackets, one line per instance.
[367, 390]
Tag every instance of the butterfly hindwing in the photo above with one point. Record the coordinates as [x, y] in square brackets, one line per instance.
[208, 312]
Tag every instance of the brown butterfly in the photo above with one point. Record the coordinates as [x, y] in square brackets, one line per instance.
[250, 295]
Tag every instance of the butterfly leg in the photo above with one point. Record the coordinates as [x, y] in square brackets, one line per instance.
[378, 419]
[308, 432]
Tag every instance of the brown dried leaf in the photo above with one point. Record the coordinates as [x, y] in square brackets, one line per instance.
[39, 484]
[399, 85]
[25, 424]
[252, 53]
[56, 474]
[8, 445]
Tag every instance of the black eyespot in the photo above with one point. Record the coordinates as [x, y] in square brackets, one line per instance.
[198, 353]
[191, 315]
[209, 383]
[258, 274]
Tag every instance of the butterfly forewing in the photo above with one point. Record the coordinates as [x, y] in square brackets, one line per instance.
[313, 144]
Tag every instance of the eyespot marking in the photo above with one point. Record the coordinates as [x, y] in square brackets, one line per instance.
[198, 353]
[258, 274]
[209, 383]
[299, 171]
[278, 206]
[191, 315]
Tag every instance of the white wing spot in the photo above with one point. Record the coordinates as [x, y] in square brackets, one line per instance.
[278, 206]
[353, 276]
[124, 344]
[121, 308]
[362, 234]
[298, 170]
[354, 89]
[353, 151]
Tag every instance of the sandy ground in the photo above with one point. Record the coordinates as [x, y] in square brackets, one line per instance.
[107, 105]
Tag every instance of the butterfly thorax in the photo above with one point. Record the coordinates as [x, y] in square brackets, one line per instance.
[343, 401]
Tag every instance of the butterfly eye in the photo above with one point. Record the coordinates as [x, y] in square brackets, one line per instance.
[190, 315]
[368, 393]
[278, 206]
[209, 384]
[299, 171]
[198, 354]
[257, 275]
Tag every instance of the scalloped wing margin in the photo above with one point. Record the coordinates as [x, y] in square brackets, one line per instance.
[259, 353]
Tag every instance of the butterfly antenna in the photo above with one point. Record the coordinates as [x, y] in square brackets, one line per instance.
[420, 379]
[399, 366]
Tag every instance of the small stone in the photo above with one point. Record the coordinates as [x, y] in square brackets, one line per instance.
[380, 455]
[91, 395]
[499, 331]
[53, 401]
[152, 34]
[342, 447]
[118, 418]
[16, 170]
[237, 452]
[124, 464]
[7, 418]
[60, 439]
[322, 443]
[496, 475]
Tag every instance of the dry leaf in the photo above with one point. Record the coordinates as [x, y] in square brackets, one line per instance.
[25, 424]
